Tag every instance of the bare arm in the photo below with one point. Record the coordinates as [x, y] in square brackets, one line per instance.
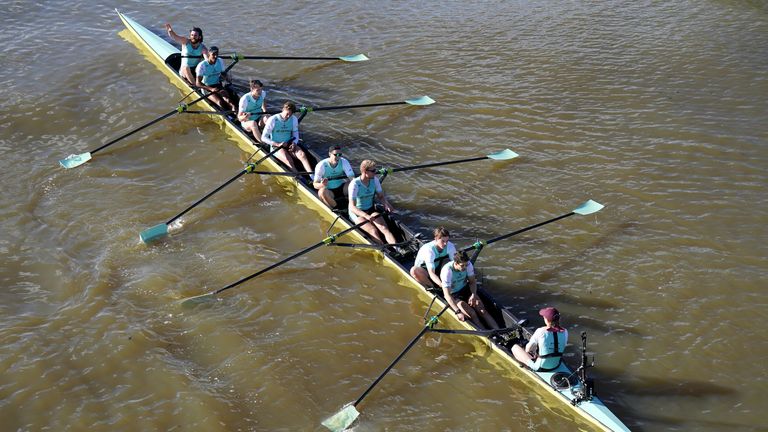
[178, 39]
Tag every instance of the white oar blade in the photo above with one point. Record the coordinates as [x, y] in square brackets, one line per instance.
[342, 420]
[156, 232]
[354, 58]
[503, 155]
[588, 207]
[424, 100]
[192, 301]
[73, 160]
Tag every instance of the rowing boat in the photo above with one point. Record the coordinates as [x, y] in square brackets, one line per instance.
[574, 390]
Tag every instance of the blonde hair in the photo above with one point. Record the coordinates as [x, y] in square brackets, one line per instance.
[364, 165]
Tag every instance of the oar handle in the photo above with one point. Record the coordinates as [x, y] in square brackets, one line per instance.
[240, 174]
[405, 351]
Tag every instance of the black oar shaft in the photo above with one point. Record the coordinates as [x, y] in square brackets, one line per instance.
[240, 174]
[228, 182]
[505, 236]
[140, 128]
[357, 106]
[285, 58]
[403, 353]
[264, 270]
[434, 164]
[325, 241]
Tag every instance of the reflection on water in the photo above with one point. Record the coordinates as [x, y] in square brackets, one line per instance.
[655, 110]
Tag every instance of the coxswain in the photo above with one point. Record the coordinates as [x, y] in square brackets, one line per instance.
[545, 349]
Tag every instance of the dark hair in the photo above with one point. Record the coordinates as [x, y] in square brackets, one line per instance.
[214, 48]
[441, 231]
[199, 31]
[334, 147]
[290, 105]
[254, 83]
[460, 257]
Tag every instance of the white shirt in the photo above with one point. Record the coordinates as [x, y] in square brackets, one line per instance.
[426, 254]
[266, 135]
[320, 168]
[446, 273]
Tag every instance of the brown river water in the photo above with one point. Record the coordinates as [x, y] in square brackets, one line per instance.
[655, 109]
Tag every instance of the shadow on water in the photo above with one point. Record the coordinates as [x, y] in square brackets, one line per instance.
[612, 381]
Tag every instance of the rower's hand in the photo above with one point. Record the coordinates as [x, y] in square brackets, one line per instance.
[168, 28]
[473, 300]
[460, 315]
[373, 216]
[324, 182]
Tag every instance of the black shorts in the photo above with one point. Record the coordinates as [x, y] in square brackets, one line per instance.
[338, 193]
[464, 294]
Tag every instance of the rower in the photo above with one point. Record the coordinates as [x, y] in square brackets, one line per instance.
[282, 131]
[192, 51]
[545, 349]
[209, 77]
[460, 291]
[362, 192]
[431, 258]
[251, 103]
[332, 177]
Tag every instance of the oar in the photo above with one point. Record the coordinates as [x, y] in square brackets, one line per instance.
[420, 101]
[501, 155]
[161, 230]
[588, 207]
[347, 415]
[237, 57]
[326, 241]
[73, 160]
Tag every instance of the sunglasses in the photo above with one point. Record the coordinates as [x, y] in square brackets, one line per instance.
[371, 170]
[336, 154]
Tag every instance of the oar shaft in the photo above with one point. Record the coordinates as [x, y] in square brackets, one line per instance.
[264, 270]
[403, 353]
[285, 58]
[140, 128]
[325, 241]
[357, 106]
[240, 174]
[434, 164]
[505, 236]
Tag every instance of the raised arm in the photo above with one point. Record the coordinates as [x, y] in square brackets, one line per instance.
[181, 40]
